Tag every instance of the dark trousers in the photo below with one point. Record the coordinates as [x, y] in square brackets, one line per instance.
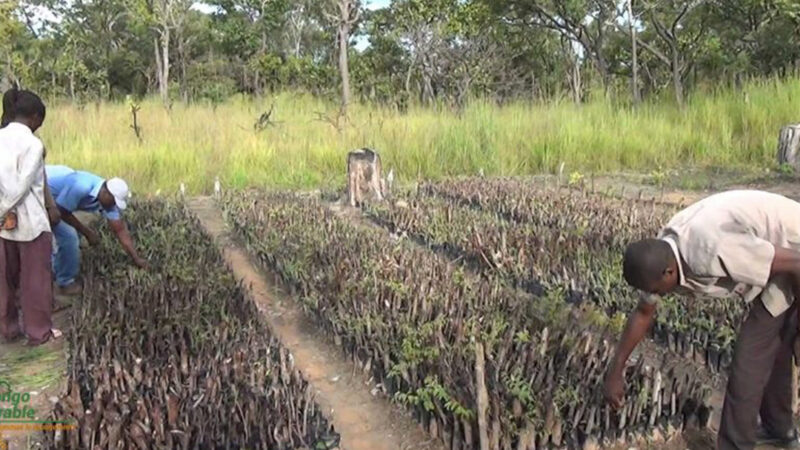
[26, 285]
[760, 380]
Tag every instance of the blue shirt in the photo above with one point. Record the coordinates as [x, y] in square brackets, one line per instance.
[77, 191]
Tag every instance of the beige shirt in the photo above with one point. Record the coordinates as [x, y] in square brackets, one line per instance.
[725, 245]
[22, 182]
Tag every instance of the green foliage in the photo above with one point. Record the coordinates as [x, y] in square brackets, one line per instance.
[416, 347]
[575, 178]
[438, 52]
[432, 393]
[522, 337]
[658, 176]
[519, 388]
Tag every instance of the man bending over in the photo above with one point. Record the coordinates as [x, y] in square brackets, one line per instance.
[742, 245]
[82, 191]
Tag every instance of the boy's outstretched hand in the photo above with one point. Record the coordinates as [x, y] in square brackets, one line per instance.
[141, 263]
[614, 389]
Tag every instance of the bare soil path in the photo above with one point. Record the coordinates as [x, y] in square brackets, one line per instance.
[626, 187]
[365, 421]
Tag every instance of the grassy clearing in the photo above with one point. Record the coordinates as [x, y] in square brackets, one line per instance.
[31, 368]
[195, 143]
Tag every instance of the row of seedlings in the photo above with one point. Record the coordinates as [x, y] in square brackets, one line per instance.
[476, 361]
[539, 258]
[178, 358]
[521, 201]
[583, 258]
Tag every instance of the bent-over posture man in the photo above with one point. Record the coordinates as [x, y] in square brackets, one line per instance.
[743, 244]
[82, 191]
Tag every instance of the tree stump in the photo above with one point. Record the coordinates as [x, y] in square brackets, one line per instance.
[364, 176]
[789, 146]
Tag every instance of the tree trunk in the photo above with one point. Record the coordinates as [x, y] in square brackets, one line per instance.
[164, 78]
[602, 69]
[408, 76]
[677, 79]
[245, 81]
[637, 96]
[72, 85]
[260, 86]
[576, 83]
[428, 96]
[344, 65]
[182, 56]
[789, 146]
[159, 72]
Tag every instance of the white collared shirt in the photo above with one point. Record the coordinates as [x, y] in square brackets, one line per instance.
[22, 182]
[725, 245]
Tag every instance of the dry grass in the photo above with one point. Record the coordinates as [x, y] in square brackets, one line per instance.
[193, 144]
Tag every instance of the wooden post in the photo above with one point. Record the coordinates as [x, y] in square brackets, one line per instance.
[789, 146]
[795, 406]
[483, 396]
[387, 184]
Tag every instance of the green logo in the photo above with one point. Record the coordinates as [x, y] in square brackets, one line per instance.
[14, 405]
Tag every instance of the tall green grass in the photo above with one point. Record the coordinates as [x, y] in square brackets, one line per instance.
[193, 144]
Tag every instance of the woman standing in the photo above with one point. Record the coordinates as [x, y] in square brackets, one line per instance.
[25, 237]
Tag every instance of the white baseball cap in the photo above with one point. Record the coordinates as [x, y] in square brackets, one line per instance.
[119, 189]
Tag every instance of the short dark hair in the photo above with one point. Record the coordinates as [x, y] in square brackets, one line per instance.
[19, 103]
[646, 261]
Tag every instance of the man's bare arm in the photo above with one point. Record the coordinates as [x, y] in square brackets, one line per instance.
[73, 221]
[50, 204]
[786, 262]
[125, 240]
[638, 324]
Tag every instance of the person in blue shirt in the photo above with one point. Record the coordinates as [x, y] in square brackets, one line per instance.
[82, 191]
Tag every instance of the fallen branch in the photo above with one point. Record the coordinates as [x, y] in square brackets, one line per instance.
[135, 107]
[483, 396]
[265, 120]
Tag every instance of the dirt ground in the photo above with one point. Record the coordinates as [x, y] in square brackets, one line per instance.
[38, 371]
